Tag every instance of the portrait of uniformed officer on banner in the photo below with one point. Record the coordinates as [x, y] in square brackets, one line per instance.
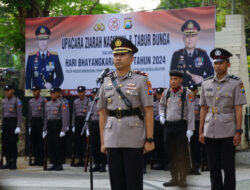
[43, 66]
[193, 61]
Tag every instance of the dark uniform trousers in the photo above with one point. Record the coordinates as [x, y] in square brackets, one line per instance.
[176, 143]
[37, 138]
[9, 139]
[158, 153]
[196, 146]
[54, 128]
[125, 168]
[224, 149]
[99, 158]
[80, 140]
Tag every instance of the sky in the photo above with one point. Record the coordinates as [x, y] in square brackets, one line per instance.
[137, 5]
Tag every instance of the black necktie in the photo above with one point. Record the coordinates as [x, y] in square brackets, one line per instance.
[43, 56]
[190, 54]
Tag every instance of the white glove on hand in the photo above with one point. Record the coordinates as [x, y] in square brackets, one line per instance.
[162, 119]
[67, 129]
[29, 130]
[17, 130]
[73, 129]
[87, 132]
[62, 134]
[189, 134]
[44, 134]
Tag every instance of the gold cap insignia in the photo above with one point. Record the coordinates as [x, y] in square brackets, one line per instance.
[42, 30]
[190, 25]
[118, 43]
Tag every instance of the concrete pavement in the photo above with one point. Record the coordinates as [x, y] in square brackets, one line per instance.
[34, 178]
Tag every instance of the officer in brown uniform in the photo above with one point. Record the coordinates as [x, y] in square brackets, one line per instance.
[55, 127]
[11, 122]
[176, 111]
[126, 118]
[80, 107]
[100, 159]
[222, 97]
[36, 121]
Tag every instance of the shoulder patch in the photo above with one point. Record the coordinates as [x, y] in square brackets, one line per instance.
[234, 77]
[32, 53]
[211, 77]
[141, 73]
[53, 53]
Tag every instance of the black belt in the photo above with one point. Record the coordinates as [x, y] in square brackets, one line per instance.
[178, 122]
[119, 113]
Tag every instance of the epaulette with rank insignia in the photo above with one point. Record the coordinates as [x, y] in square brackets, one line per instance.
[32, 53]
[234, 77]
[53, 53]
[208, 78]
[141, 73]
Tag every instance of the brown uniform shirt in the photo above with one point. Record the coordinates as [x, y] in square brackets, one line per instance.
[128, 131]
[173, 107]
[221, 98]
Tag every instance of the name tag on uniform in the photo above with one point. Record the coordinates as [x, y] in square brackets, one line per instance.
[209, 90]
[109, 88]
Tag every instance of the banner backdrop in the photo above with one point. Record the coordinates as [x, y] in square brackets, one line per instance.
[80, 45]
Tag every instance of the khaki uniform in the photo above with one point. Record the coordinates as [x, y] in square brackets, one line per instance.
[221, 97]
[127, 131]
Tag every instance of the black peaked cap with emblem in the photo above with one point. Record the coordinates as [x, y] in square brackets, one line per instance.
[176, 73]
[81, 88]
[42, 32]
[55, 89]
[159, 90]
[220, 54]
[123, 45]
[190, 27]
[8, 87]
[35, 88]
[192, 87]
[94, 90]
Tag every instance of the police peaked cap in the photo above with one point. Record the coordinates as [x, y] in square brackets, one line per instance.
[123, 45]
[55, 89]
[159, 90]
[35, 88]
[81, 88]
[190, 27]
[8, 87]
[176, 73]
[94, 90]
[219, 54]
[192, 87]
[42, 32]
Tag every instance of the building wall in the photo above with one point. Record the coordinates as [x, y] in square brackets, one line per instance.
[232, 38]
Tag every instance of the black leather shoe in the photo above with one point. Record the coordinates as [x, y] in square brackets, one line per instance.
[79, 164]
[171, 183]
[6, 166]
[52, 168]
[157, 167]
[166, 168]
[13, 166]
[96, 168]
[59, 168]
[182, 183]
[103, 168]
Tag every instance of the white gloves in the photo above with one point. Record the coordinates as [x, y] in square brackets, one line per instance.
[62, 134]
[73, 129]
[87, 132]
[189, 134]
[17, 130]
[44, 134]
[162, 119]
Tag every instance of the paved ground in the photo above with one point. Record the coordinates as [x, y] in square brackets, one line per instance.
[34, 178]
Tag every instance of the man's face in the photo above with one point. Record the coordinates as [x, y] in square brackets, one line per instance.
[194, 92]
[221, 67]
[190, 40]
[43, 44]
[175, 82]
[123, 61]
[9, 93]
[53, 95]
[158, 96]
[36, 93]
[81, 94]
